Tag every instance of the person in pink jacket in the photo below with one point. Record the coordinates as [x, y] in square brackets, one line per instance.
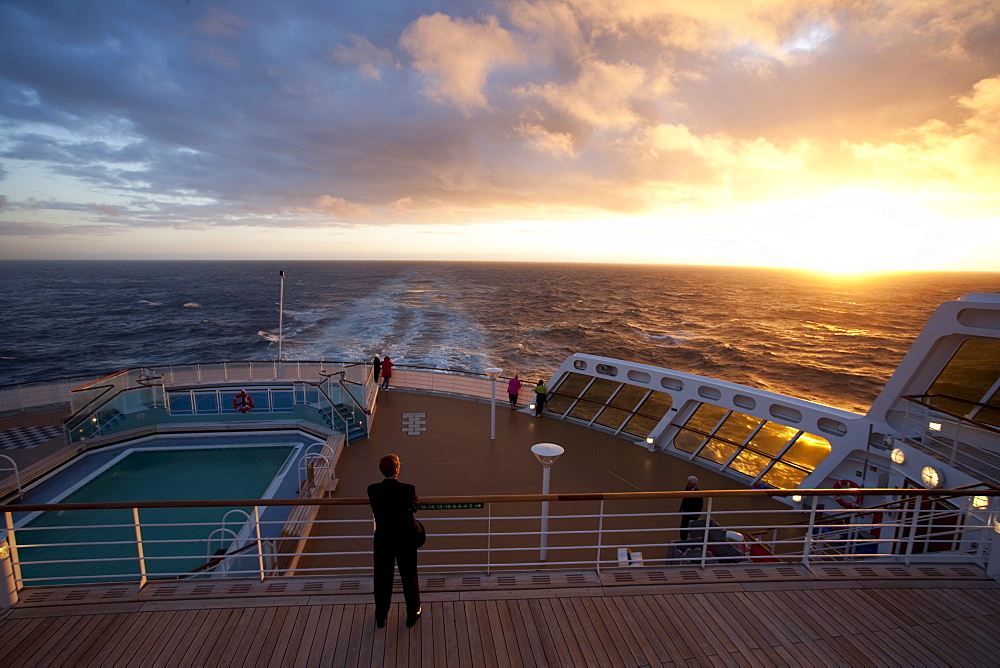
[513, 390]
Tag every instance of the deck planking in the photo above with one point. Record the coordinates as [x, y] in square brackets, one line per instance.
[946, 623]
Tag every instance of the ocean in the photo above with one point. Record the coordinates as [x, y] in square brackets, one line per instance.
[832, 339]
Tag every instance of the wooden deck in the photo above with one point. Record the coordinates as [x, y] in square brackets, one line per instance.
[757, 614]
[762, 615]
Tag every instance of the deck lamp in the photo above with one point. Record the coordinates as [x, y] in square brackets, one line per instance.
[980, 502]
[898, 456]
[493, 373]
[547, 454]
[797, 498]
[934, 426]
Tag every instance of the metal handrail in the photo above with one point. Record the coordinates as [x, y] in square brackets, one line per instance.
[582, 539]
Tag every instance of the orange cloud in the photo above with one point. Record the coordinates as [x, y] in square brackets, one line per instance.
[457, 55]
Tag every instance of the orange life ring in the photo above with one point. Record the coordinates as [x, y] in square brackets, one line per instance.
[243, 402]
[848, 500]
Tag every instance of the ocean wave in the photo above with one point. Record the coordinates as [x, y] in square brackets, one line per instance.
[192, 305]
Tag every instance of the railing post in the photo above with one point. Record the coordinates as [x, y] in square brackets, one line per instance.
[138, 545]
[704, 537]
[489, 536]
[260, 545]
[807, 543]
[912, 539]
[600, 535]
[10, 569]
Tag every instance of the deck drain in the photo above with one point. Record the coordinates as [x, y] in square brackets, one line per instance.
[541, 579]
[899, 572]
[165, 590]
[724, 574]
[203, 589]
[576, 578]
[277, 587]
[755, 573]
[312, 586]
[242, 588]
[866, 572]
[350, 585]
[114, 593]
[623, 576]
[76, 595]
[471, 582]
[506, 581]
[657, 576]
[691, 575]
[435, 582]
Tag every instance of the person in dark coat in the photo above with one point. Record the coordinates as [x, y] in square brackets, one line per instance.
[395, 544]
[376, 368]
[541, 396]
[691, 506]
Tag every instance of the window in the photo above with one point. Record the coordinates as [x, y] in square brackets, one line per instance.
[778, 455]
[967, 380]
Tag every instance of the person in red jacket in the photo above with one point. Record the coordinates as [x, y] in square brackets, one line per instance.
[386, 372]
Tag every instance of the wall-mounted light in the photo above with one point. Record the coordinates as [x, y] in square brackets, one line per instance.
[531, 406]
[4, 550]
[898, 456]
[797, 498]
[934, 426]
[980, 502]
[931, 477]
[996, 526]
[649, 440]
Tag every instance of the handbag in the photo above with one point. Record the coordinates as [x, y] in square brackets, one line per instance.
[419, 533]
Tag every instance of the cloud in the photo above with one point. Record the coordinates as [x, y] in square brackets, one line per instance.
[340, 207]
[457, 55]
[368, 58]
[603, 94]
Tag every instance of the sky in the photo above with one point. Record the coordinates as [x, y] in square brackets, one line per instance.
[841, 135]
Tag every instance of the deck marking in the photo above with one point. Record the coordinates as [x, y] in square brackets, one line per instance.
[414, 424]
[626, 481]
[27, 437]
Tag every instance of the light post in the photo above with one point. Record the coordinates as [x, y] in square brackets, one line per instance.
[493, 373]
[547, 454]
[281, 310]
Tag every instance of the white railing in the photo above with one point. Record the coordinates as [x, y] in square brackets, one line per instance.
[500, 533]
[961, 443]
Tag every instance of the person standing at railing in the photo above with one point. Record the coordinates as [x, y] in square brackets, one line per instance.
[691, 506]
[514, 389]
[386, 372]
[541, 395]
[397, 538]
[376, 368]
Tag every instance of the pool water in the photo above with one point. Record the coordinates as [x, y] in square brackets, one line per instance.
[146, 475]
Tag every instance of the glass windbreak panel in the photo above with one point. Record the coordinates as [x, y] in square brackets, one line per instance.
[656, 405]
[585, 410]
[737, 427]
[180, 403]
[706, 418]
[807, 451]
[969, 375]
[282, 401]
[783, 476]
[611, 417]
[772, 438]
[557, 403]
[688, 441]
[601, 390]
[594, 399]
[640, 426]
[717, 451]
[750, 463]
[628, 397]
[206, 402]
[573, 385]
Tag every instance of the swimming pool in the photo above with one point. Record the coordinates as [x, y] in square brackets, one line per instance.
[100, 544]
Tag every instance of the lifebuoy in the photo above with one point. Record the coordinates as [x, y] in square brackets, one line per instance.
[848, 500]
[243, 402]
